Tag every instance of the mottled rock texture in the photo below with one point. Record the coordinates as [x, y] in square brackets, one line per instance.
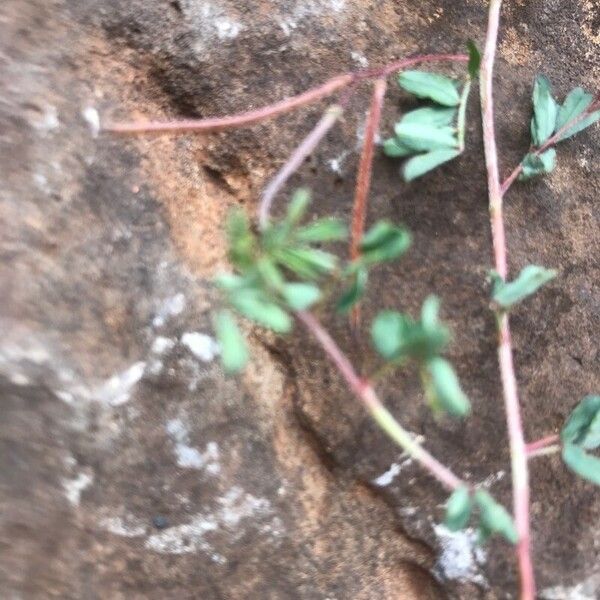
[130, 467]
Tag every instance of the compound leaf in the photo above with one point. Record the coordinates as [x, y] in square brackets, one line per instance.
[422, 138]
[435, 116]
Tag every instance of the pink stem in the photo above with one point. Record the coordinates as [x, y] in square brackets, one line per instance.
[295, 161]
[544, 442]
[267, 112]
[520, 472]
[365, 392]
[548, 144]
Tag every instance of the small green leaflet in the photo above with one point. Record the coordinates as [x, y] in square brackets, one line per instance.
[297, 207]
[394, 148]
[322, 230]
[439, 88]
[581, 125]
[422, 138]
[534, 164]
[582, 463]
[530, 279]
[355, 292]
[458, 509]
[545, 111]
[241, 241]
[253, 305]
[388, 333]
[443, 388]
[583, 425]
[494, 517]
[474, 59]
[300, 296]
[234, 353]
[433, 116]
[307, 263]
[383, 242]
[575, 104]
[423, 163]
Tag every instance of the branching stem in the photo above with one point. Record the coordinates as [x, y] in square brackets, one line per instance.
[520, 472]
[365, 392]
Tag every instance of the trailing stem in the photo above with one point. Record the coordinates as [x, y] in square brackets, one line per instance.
[365, 392]
[520, 473]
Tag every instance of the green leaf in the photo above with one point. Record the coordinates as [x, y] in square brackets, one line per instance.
[582, 463]
[383, 242]
[301, 296]
[430, 314]
[396, 336]
[583, 124]
[323, 230]
[393, 148]
[241, 240]
[439, 88]
[583, 425]
[494, 517]
[234, 353]
[474, 59]
[422, 138]
[545, 111]
[355, 292]
[434, 116]
[229, 281]
[253, 305]
[530, 279]
[534, 165]
[443, 388]
[307, 263]
[423, 163]
[269, 273]
[297, 207]
[574, 105]
[458, 509]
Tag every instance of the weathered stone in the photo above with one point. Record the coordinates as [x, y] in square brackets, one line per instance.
[131, 466]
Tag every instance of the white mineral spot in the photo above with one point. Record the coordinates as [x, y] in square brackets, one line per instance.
[74, 487]
[589, 589]
[162, 344]
[171, 307]
[19, 379]
[200, 345]
[189, 457]
[66, 397]
[235, 506]
[460, 555]
[117, 390]
[130, 527]
[92, 118]
[493, 478]
[48, 120]
[359, 59]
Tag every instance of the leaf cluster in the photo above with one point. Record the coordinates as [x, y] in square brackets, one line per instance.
[554, 122]
[398, 337]
[492, 517]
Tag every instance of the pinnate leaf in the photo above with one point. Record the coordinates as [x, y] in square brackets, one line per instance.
[422, 138]
[434, 116]
[530, 279]
[574, 105]
[538, 164]
[581, 125]
[439, 88]
[394, 148]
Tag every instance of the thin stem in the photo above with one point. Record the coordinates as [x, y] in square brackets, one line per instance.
[363, 178]
[365, 392]
[542, 443]
[240, 120]
[251, 117]
[547, 451]
[295, 161]
[520, 472]
[552, 141]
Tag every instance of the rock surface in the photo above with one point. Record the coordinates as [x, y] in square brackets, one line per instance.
[130, 466]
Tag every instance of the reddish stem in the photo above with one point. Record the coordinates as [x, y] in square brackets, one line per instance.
[363, 178]
[544, 442]
[267, 112]
[295, 161]
[365, 392]
[552, 141]
[520, 472]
